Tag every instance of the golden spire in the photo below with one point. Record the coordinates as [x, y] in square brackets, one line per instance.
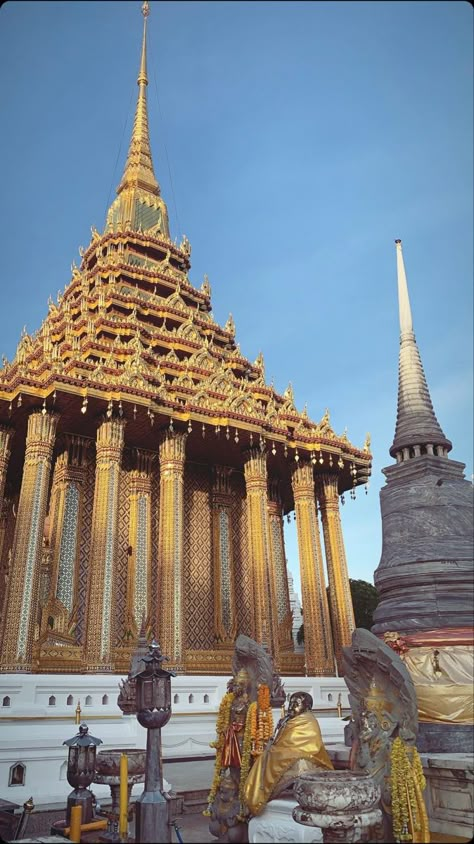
[142, 77]
[139, 167]
[138, 204]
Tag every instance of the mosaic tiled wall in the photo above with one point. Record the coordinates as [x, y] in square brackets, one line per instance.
[198, 587]
[155, 518]
[10, 510]
[85, 543]
[68, 546]
[242, 570]
[119, 599]
[142, 561]
[225, 557]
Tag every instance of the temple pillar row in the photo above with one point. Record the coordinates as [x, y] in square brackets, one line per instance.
[340, 598]
[317, 626]
[139, 564]
[104, 539]
[266, 617]
[225, 618]
[21, 612]
[282, 595]
[170, 621]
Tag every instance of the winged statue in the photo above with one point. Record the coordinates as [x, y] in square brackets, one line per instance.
[384, 729]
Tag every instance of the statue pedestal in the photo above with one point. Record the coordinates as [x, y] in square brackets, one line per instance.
[449, 793]
[344, 804]
[107, 771]
[276, 823]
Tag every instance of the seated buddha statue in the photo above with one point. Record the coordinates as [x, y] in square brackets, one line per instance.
[295, 748]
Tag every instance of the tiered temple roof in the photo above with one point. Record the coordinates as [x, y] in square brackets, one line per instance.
[147, 465]
[132, 334]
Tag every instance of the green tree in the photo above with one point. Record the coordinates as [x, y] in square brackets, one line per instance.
[300, 635]
[364, 600]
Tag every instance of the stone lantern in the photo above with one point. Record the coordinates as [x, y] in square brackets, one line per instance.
[80, 772]
[153, 708]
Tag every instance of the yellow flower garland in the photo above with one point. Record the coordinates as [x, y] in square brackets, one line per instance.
[258, 729]
[407, 783]
[262, 724]
[246, 757]
[223, 719]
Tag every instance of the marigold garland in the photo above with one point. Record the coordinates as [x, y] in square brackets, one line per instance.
[246, 757]
[262, 723]
[407, 783]
[258, 729]
[223, 720]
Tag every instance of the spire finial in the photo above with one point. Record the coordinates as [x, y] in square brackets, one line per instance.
[138, 204]
[139, 167]
[406, 323]
[417, 430]
[142, 76]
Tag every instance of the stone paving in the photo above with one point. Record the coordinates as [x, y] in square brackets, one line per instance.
[193, 829]
[189, 776]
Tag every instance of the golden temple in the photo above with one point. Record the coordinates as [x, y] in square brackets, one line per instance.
[146, 467]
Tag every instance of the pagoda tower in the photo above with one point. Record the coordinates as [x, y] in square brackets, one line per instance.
[425, 575]
[146, 467]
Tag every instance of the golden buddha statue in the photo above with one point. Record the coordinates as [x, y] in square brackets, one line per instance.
[295, 748]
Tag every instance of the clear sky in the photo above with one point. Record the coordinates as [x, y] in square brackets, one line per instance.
[293, 141]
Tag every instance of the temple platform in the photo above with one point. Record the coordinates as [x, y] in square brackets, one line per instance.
[37, 714]
[192, 780]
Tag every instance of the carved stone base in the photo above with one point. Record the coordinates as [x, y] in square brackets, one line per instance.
[444, 738]
[275, 824]
[344, 804]
[108, 771]
[449, 793]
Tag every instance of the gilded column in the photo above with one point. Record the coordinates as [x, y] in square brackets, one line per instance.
[7, 535]
[340, 598]
[317, 626]
[5, 440]
[278, 556]
[104, 539]
[65, 514]
[4, 562]
[139, 564]
[266, 618]
[170, 620]
[28, 544]
[225, 620]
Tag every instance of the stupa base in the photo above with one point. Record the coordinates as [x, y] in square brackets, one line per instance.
[444, 738]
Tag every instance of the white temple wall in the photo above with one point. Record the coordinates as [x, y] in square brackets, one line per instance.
[33, 728]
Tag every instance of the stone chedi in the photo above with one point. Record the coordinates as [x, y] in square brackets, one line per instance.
[146, 466]
[296, 613]
[425, 575]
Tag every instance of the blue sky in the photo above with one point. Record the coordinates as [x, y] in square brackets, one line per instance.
[293, 143]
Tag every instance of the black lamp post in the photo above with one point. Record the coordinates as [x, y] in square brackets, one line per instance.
[153, 707]
[80, 772]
